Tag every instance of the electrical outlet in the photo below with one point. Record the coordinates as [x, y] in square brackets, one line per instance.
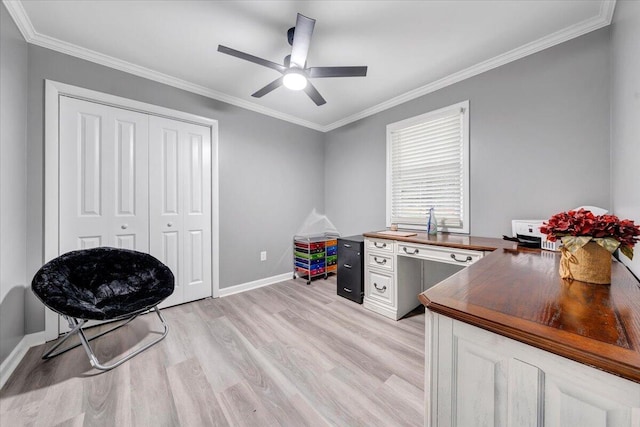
[263, 256]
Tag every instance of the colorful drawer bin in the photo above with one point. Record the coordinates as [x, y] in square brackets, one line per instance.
[311, 246]
[314, 255]
[318, 255]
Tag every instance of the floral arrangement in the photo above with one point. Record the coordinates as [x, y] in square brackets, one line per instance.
[579, 227]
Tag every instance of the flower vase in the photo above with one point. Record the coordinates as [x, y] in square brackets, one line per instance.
[591, 263]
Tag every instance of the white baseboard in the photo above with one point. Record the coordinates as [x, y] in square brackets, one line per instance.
[224, 292]
[13, 360]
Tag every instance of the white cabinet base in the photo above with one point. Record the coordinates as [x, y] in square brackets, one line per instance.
[475, 377]
[396, 272]
[382, 309]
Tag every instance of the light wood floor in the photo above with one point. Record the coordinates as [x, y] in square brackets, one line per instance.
[283, 355]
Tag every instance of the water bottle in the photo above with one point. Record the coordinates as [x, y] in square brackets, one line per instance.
[432, 224]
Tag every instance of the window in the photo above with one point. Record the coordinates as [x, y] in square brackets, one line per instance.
[428, 166]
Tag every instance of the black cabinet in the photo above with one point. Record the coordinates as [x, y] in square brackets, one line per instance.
[351, 268]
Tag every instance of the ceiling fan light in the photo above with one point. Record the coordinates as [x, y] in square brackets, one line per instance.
[294, 80]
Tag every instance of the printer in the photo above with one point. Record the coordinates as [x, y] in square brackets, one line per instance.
[527, 231]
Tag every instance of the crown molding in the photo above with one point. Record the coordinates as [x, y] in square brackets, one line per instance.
[602, 20]
[19, 15]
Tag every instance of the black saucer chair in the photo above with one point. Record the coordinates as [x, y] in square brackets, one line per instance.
[102, 284]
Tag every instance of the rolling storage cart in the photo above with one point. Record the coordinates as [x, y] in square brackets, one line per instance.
[315, 255]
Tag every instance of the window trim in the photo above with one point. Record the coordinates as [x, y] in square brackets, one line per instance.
[464, 106]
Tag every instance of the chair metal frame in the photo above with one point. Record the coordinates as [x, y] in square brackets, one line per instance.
[76, 328]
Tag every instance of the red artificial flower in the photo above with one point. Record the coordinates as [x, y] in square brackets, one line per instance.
[584, 223]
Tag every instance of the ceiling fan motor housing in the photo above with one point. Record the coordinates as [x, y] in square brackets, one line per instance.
[290, 33]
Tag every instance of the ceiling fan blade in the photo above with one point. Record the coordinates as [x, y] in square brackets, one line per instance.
[315, 72]
[314, 94]
[251, 58]
[302, 40]
[268, 88]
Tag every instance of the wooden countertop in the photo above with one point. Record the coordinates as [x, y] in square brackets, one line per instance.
[449, 240]
[519, 294]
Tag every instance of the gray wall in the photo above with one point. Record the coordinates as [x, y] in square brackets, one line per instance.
[13, 182]
[625, 116]
[539, 141]
[270, 171]
[539, 144]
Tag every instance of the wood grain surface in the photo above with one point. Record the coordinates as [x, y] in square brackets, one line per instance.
[283, 355]
[519, 294]
[451, 241]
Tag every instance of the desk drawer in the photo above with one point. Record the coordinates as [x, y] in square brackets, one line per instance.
[380, 288]
[379, 245]
[440, 253]
[379, 260]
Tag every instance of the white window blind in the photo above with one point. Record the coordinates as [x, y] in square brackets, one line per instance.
[427, 158]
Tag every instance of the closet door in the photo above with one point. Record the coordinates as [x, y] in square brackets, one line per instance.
[103, 188]
[180, 204]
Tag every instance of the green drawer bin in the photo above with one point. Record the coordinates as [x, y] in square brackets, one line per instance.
[309, 256]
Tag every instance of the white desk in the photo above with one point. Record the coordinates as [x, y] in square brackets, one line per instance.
[396, 271]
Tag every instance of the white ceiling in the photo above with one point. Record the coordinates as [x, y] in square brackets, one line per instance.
[410, 47]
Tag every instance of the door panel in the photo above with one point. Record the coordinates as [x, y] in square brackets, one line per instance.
[198, 213]
[103, 177]
[126, 241]
[126, 169]
[165, 200]
[88, 242]
[103, 181]
[170, 254]
[90, 155]
[180, 205]
[196, 174]
[169, 164]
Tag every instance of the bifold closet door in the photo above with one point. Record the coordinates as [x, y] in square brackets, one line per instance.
[103, 179]
[103, 187]
[136, 181]
[180, 204]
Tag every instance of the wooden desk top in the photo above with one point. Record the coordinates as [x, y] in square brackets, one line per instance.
[450, 240]
[519, 294]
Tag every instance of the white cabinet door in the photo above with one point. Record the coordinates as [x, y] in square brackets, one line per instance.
[180, 204]
[475, 377]
[103, 188]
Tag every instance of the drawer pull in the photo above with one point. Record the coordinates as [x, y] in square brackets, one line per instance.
[347, 265]
[453, 256]
[347, 290]
[382, 289]
[346, 245]
[415, 251]
[384, 260]
[381, 246]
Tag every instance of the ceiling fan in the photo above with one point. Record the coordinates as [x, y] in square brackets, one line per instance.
[295, 74]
